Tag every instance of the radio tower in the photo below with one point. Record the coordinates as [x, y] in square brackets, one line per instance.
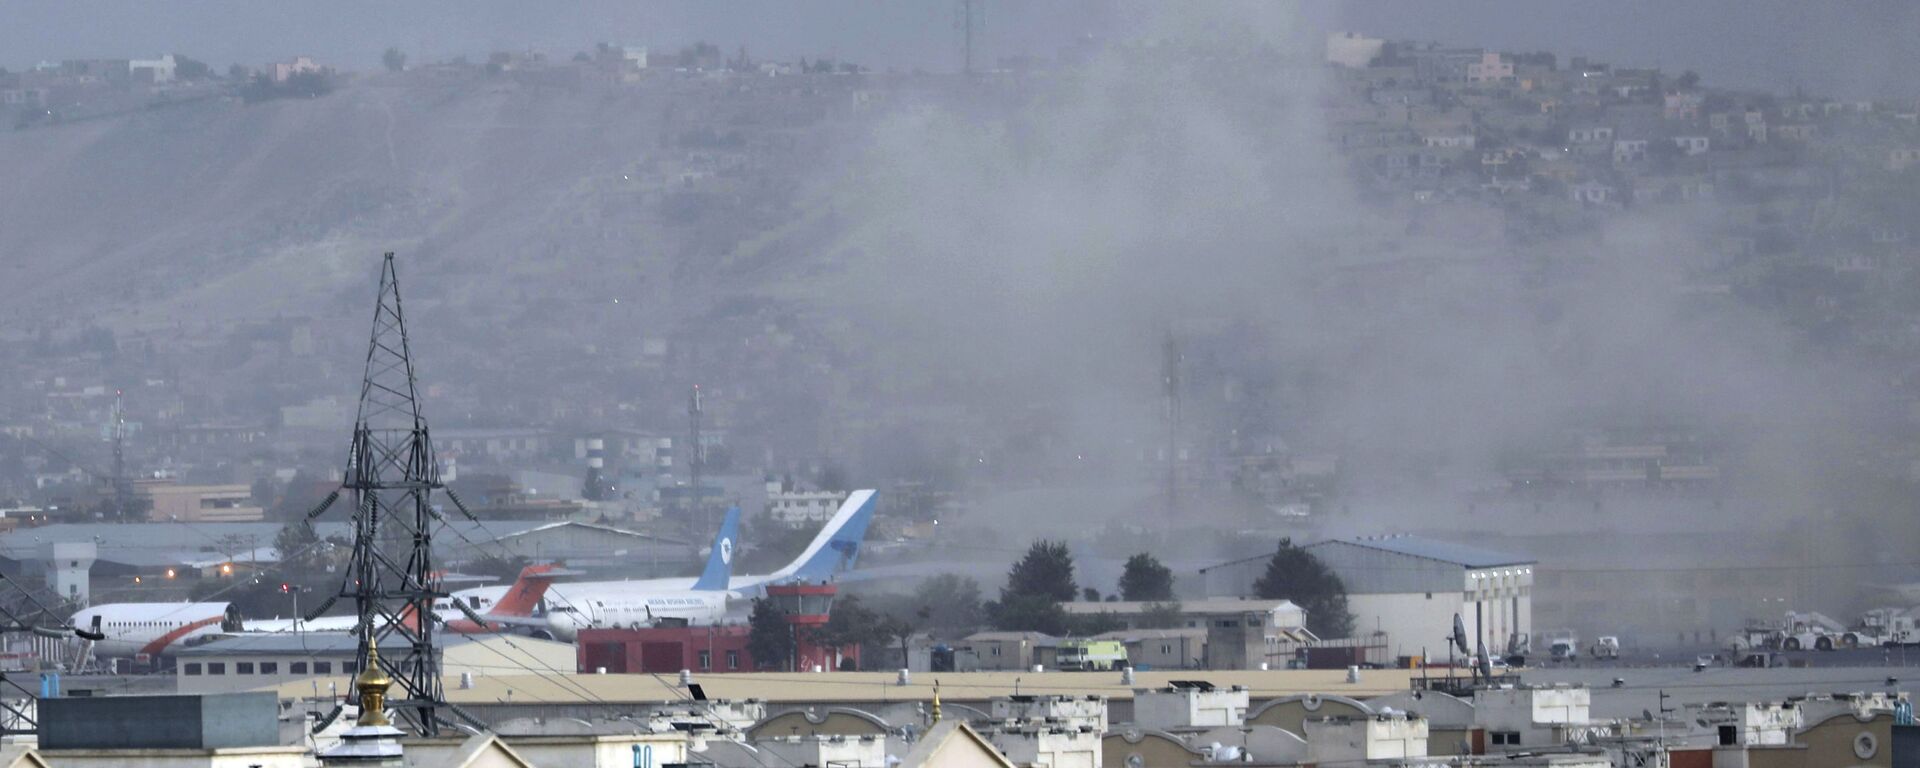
[696, 456]
[391, 474]
[967, 18]
[122, 486]
[1170, 380]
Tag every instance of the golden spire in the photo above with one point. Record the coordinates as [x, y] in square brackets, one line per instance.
[936, 703]
[372, 682]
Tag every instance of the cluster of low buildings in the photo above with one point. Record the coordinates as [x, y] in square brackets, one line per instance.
[1437, 123]
[1035, 720]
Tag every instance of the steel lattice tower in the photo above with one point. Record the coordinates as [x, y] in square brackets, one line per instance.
[391, 475]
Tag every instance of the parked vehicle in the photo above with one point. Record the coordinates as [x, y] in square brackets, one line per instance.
[1564, 646]
[1811, 630]
[1884, 627]
[1090, 655]
[1607, 647]
[1758, 634]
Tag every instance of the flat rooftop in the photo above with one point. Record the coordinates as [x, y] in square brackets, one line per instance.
[836, 687]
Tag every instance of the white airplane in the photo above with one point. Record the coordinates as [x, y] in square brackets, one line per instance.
[703, 600]
[148, 630]
[137, 630]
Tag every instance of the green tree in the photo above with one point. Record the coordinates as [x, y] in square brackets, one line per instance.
[948, 604]
[1046, 571]
[505, 567]
[769, 636]
[1036, 586]
[1161, 615]
[1029, 613]
[1145, 579]
[298, 545]
[1295, 574]
[394, 60]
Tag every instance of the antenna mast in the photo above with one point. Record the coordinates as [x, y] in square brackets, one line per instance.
[696, 457]
[1170, 382]
[122, 487]
[968, 15]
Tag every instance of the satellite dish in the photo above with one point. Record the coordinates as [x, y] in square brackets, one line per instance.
[1485, 664]
[1460, 635]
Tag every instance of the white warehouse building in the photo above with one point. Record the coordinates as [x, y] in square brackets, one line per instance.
[1410, 588]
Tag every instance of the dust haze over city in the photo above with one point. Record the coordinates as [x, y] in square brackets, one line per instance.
[1615, 298]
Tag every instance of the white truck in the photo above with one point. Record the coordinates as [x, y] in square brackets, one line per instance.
[1811, 630]
[1883, 627]
[1757, 635]
[1606, 648]
[1564, 645]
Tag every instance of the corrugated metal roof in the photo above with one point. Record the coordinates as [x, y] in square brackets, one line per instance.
[1185, 607]
[1463, 555]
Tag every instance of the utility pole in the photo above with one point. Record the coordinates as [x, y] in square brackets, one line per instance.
[122, 487]
[392, 474]
[1170, 383]
[696, 456]
[968, 16]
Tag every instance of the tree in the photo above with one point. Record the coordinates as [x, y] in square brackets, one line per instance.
[1160, 615]
[297, 544]
[394, 60]
[185, 68]
[1046, 571]
[1035, 588]
[769, 636]
[948, 603]
[1090, 595]
[1295, 574]
[1029, 613]
[1145, 579]
[500, 566]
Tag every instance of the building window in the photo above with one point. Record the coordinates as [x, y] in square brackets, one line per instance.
[297, 667]
[733, 659]
[1505, 738]
[996, 651]
[243, 668]
[192, 668]
[1166, 649]
[269, 667]
[216, 667]
[323, 667]
[706, 659]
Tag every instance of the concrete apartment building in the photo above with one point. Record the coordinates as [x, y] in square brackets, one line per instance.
[201, 503]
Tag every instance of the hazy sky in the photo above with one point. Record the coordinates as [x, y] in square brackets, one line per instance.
[1851, 49]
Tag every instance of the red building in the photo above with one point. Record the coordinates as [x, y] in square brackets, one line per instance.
[665, 650]
[715, 648]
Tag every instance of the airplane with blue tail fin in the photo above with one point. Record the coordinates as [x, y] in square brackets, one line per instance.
[703, 600]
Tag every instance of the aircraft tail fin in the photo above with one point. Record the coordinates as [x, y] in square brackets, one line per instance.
[719, 569]
[525, 594]
[835, 549]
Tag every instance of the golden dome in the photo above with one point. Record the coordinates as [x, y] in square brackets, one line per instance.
[372, 683]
